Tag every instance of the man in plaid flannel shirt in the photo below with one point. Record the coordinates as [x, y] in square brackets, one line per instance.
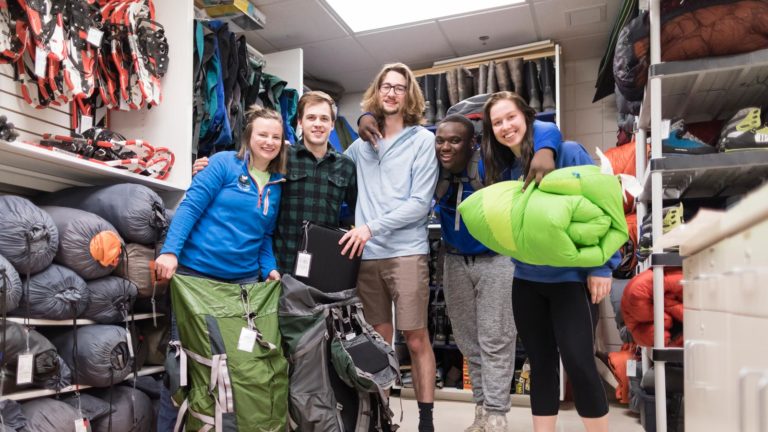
[318, 181]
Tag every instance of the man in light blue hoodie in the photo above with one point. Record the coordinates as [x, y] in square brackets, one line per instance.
[396, 180]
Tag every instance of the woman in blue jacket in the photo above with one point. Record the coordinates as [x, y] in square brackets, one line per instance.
[554, 308]
[223, 228]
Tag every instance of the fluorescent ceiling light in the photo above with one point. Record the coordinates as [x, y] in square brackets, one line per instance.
[362, 16]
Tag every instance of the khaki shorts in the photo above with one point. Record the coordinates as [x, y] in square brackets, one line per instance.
[404, 280]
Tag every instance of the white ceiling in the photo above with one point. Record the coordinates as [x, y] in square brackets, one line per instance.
[333, 53]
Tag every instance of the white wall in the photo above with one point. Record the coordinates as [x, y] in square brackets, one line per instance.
[349, 107]
[592, 125]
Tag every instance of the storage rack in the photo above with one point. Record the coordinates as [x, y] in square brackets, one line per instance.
[697, 90]
[37, 392]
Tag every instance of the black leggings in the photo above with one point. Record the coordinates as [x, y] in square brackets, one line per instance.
[552, 316]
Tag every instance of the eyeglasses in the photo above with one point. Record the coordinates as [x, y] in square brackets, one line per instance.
[385, 88]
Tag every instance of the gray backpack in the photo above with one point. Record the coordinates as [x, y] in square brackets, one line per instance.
[339, 366]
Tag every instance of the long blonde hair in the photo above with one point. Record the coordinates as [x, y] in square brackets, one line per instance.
[278, 164]
[414, 100]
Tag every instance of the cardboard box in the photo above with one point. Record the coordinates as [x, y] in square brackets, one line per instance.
[241, 15]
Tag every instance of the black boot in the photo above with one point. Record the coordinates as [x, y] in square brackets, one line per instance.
[443, 102]
[516, 72]
[482, 75]
[547, 79]
[466, 83]
[492, 86]
[532, 83]
[453, 86]
[430, 86]
[502, 76]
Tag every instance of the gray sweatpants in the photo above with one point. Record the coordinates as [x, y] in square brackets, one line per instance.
[479, 303]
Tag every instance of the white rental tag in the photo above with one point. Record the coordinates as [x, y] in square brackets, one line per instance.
[631, 368]
[183, 369]
[80, 425]
[130, 342]
[86, 122]
[247, 340]
[41, 61]
[94, 36]
[303, 262]
[665, 124]
[25, 367]
[350, 336]
[605, 164]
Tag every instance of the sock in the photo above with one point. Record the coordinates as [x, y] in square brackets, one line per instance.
[425, 417]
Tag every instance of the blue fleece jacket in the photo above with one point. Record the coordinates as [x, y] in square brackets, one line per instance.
[571, 154]
[223, 227]
[395, 185]
[545, 135]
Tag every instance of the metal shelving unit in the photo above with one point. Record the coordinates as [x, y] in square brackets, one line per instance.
[696, 90]
[707, 176]
[36, 393]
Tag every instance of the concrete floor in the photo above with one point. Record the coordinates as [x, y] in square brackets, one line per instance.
[451, 416]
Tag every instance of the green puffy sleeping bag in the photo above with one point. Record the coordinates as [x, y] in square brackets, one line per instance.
[575, 218]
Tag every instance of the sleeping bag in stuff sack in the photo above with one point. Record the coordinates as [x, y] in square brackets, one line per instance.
[574, 218]
[689, 30]
[637, 307]
[49, 415]
[230, 389]
[110, 299]
[28, 237]
[13, 417]
[135, 210]
[56, 293]
[102, 354]
[49, 369]
[92, 407]
[132, 411]
[88, 244]
[138, 268]
[10, 284]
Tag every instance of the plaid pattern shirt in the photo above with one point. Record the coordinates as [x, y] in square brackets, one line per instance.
[313, 191]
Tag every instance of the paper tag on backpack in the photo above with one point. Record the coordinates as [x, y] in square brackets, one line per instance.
[129, 339]
[24, 368]
[303, 261]
[247, 340]
[82, 425]
[631, 368]
[94, 36]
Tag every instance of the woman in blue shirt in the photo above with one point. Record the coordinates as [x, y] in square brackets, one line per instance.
[223, 228]
[554, 308]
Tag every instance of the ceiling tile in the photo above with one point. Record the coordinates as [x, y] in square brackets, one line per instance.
[295, 23]
[506, 28]
[552, 19]
[581, 48]
[317, 57]
[258, 42]
[419, 44]
[355, 81]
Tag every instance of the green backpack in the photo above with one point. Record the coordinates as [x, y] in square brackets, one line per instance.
[233, 376]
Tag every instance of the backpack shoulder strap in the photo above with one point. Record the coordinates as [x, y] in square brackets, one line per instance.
[473, 171]
[443, 183]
